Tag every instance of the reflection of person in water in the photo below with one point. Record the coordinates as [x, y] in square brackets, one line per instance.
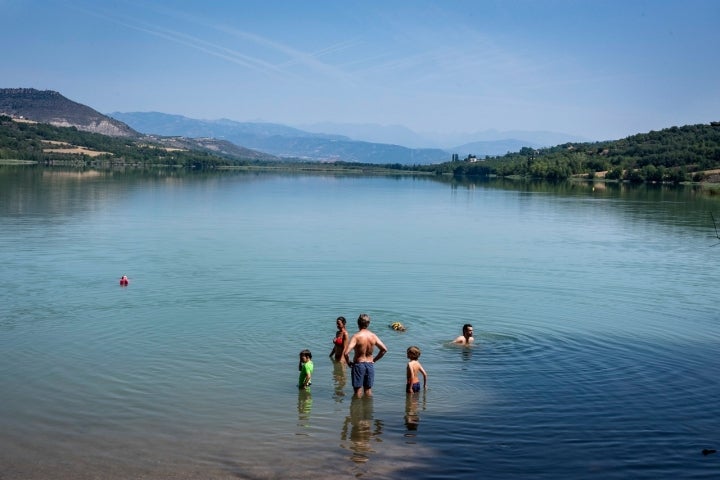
[304, 407]
[339, 380]
[363, 428]
[412, 419]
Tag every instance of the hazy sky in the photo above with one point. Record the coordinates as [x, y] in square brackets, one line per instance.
[600, 69]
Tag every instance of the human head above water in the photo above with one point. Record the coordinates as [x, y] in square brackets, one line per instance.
[468, 329]
[413, 353]
[306, 353]
[363, 321]
[341, 320]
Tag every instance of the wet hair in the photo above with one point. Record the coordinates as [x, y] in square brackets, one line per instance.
[364, 320]
[413, 353]
[342, 319]
[305, 353]
[466, 326]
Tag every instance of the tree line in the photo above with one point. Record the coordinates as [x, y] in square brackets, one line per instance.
[675, 154]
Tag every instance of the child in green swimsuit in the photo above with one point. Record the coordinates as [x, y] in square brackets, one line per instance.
[306, 369]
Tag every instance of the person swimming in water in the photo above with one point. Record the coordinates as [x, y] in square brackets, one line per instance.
[467, 335]
[340, 340]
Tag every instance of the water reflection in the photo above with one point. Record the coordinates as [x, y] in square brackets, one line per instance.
[360, 429]
[60, 192]
[304, 407]
[339, 380]
[414, 402]
[33, 188]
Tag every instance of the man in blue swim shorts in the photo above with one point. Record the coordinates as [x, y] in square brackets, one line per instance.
[363, 375]
[363, 344]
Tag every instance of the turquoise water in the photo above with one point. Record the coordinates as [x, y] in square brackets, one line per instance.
[595, 315]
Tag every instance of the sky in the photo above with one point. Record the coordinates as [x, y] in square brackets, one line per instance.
[597, 69]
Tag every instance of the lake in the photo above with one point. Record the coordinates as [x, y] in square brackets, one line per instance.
[594, 308]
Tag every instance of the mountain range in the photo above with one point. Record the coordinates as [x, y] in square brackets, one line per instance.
[283, 141]
[479, 143]
[262, 140]
[348, 142]
[47, 106]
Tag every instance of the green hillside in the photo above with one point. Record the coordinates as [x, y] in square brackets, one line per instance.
[50, 145]
[677, 154]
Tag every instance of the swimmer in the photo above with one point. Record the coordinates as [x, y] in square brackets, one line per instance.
[467, 336]
[124, 280]
[397, 326]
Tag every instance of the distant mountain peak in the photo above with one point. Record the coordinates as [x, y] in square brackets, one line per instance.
[49, 106]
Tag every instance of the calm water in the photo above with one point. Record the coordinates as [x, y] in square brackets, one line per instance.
[595, 313]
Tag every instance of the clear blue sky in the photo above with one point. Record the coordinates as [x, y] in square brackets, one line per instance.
[600, 69]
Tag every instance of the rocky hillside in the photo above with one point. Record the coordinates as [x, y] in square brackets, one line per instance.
[47, 106]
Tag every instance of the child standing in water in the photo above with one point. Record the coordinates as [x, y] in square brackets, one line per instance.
[306, 369]
[414, 368]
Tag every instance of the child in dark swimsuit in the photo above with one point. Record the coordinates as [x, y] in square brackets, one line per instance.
[413, 369]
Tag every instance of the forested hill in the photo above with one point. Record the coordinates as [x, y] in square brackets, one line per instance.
[674, 154]
[48, 144]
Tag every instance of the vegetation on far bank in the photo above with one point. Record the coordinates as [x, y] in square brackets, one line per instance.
[672, 155]
[677, 154]
[50, 145]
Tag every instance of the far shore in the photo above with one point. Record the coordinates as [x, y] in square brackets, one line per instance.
[712, 180]
[325, 168]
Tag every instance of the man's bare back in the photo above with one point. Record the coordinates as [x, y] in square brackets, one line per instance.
[363, 344]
